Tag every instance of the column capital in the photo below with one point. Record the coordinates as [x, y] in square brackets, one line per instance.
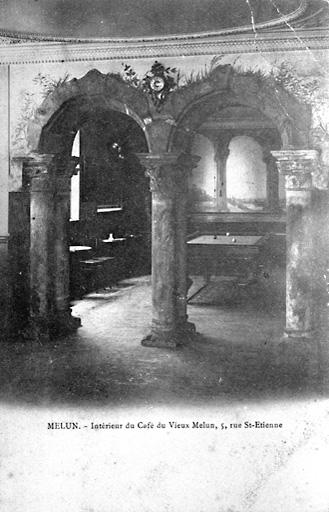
[220, 140]
[222, 143]
[295, 161]
[37, 166]
[38, 161]
[160, 168]
[222, 150]
[297, 165]
[65, 167]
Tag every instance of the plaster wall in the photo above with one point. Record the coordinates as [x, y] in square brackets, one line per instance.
[246, 172]
[202, 181]
[27, 92]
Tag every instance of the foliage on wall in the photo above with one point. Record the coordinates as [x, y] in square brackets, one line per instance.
[29, 104]
[308, 89]
[161, 80]
[48, 84]
[28, 109]
[174, 76]
[312, 90]
[203, 74]
[158, 82]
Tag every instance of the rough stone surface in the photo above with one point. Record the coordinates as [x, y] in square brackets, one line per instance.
[297, 168]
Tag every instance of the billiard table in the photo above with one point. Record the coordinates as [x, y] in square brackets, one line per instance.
[229, 255]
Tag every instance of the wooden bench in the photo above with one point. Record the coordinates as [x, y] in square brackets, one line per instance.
[98, 272]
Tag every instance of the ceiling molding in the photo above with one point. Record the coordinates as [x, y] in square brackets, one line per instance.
[281, 20]
[43, 52]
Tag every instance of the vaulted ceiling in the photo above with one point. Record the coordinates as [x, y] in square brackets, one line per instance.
[109, 19]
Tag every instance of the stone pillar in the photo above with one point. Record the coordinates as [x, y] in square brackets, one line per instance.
[41, 242]
[221, 156]
[160, 168]
[64, 321]
[297, 167]
[49, 187]
[4, 151]
[272, 181]
[186, 163]
[4, 171]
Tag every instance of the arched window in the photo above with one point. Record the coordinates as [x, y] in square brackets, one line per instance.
[75, 182]
[202, 182]
[246, 175]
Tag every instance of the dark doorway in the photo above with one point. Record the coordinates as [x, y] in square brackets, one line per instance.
[114, 217]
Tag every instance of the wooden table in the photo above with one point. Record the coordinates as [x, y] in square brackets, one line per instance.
[79, 248]
[225, 255]
[116, 247]
[113, 240]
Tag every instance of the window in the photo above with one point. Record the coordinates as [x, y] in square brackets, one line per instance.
[75, 182]
[202, 183]
[245, 176]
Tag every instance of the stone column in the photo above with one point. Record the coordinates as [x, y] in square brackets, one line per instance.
[160, 168]
[4, 196]
[221, 156]
[297, 167]
[64, 321]
[186, 163]
[4, 151]
[41, 241]
[272, 181]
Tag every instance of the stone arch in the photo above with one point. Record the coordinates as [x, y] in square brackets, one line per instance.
[225, 87]
[48, 170]
[58, 134]
[94, 90]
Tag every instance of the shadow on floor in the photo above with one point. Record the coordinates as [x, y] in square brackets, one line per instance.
[239, 356]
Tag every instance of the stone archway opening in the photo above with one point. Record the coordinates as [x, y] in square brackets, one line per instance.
[218, 121]
[109, 238]
[280, 123]
[234, 184]
[283, 123]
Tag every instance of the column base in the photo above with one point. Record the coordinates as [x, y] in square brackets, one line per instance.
[38, 331]
[161, 340]
[42, 330]
[65, 323]
[299, 358]
[186, 331]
